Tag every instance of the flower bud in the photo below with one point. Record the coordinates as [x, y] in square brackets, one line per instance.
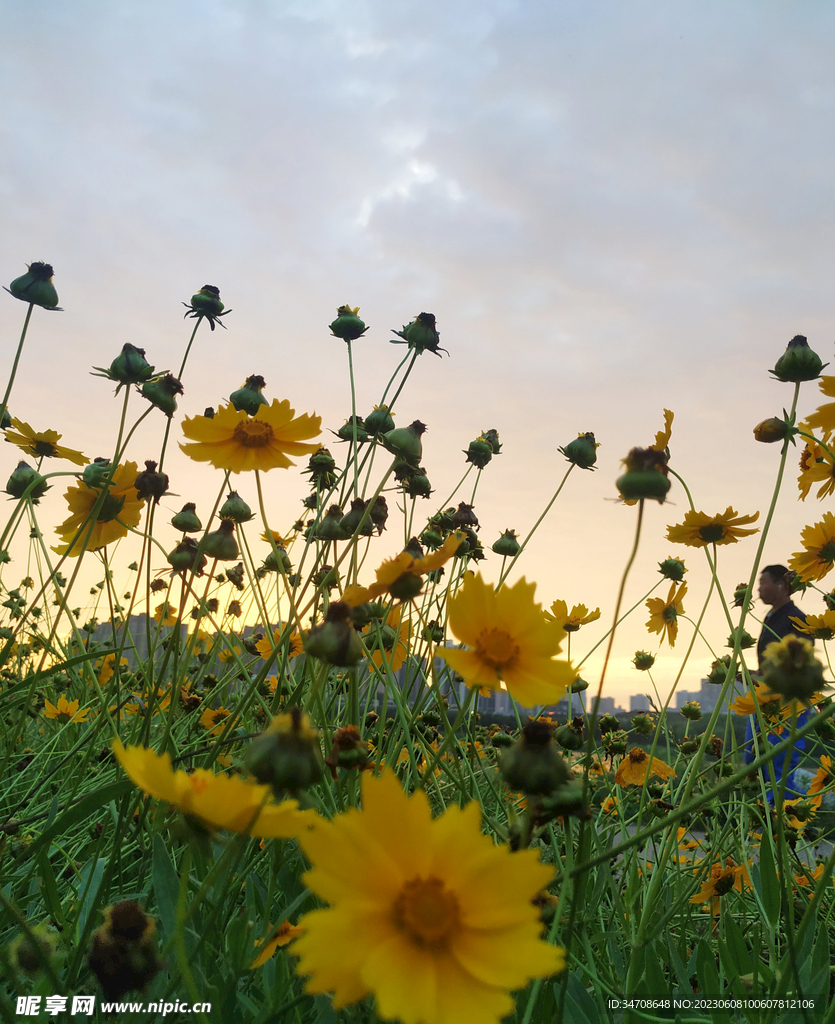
[688, 746]
[221, 544]
[502, 739]
[739, 594]
[431, 539]
[186, 519]
[719, 670]
[533, 764]
[97, 474]
[235, 575]
[287, 756]
[349, 750]
[691, 710]
[379, 513]
[607, 724]
[617, 741]
[771, 430]
[643, 660]
[161, 391]
[507, 545]
[236, 509]
[578, 685]
[249, 399]
[320, 468]
[150, 484]
[745, 639]
[281, 563]
[421, 334]
[330, 528]
[582, 451]
[464, 517]
[645, 476]
[416, 485]
[348, 325]
[643, 724]
[672, 569]
[565, 801]
[433, 631]
[186, 557]
[795, 582]
[479, 452]
[791, 669]
[36, 286]
[207, 301]
[335, 640]
[22, 478]
[124, 954]
[570, 735]
[405, 443]
[346, 431]
[354, 516]
[379, 421]
[129, 367]
[798, 362]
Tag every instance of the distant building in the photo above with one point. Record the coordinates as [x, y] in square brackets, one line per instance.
[639, 703]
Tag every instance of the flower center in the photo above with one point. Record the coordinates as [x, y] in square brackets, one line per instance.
[254, 434]
[111, 507]
[497, 648]
[637, 756]
[669, 614]
[43, 448]
[712, 532]
[827, 552]
[426, 910]
[723, 885]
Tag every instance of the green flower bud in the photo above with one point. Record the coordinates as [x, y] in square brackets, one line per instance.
[349, 750]
[379, 513]
[565, 801]
[618, 742]
[746, 640]
[798, 362]
[719, 670]
[421, 334]
[186, 519]
[346, 431]
[348, 325]
[325, 578]
[380, 421]
[492, 438]
[771, 430]
[431, 539]
[161, 391]
[330, 528]
[129, 367]
[249, 398]
[645, 476]
[280, 564]
[578, 685]
[643, 660]
[405, 443]
[416, 485]
[221, 544]
[672, 569]
[236, 508]
[739, 594]
[97, 474]
[795, 583]
[150, 484]
[36, 286]
[507, 545]
[607, 724]
[582, 451]
[335, 640]
[791, 669]
[432, 631]
[502, 739]
[320, 468]
[353, 517]
[691, 710]
[479, 452]
[207, 301]
[287, 756]
[570, 736]
[643, 724]
[186, 557]
[365, 613]
[688, 746]
[22, 479]
[533, 764]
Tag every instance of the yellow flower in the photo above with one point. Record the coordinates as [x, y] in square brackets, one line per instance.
[746, 703]
[213, 718]
[664, 614]
[42, 444]
[430, 916]
[65, 711]
[106, 668]
[801, 810]
[511, 641]
[571, 621]
[719, 882]
[166, 614]
[293, 637]
[824, 778]
[282, 936]
[400, 576]
[699, 529]
[121, 509]
[821, 627]
[662, 438]
[810, 879]
[238, 442]
[277, 539]
[824, 416]
[393, 637]
[637, 766]
[219, 801]
[815, 464]
[819, 541]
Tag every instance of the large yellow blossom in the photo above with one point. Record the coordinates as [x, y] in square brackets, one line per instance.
[819, 541]
[821, 627]
[42, 444]
[65, 710]
[664, 615]
[238, 442]
[219, 801]
[699, 529]
[431, 917]
[719, 882]
[120, 509]
[400, 577]
[637, 766]
[510, 641]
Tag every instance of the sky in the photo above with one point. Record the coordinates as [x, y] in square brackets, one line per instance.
[612, 208]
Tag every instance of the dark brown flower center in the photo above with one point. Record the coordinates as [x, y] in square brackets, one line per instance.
[712, 532]
[254, 434]
[426, 910]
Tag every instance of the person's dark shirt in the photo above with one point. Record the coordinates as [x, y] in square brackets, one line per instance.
[777, 624]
